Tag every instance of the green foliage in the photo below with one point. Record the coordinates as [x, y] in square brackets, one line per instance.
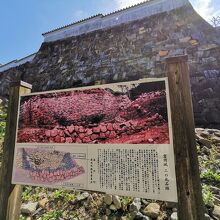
[211, 176]
[208, 197]
[63, 194]
[213, 153]
[209, 168]
[3, 115]
[2, 123]
[52, 215]
[26, 194]
[212, 162]
[125, 200]
[2, 126]
[21, 217]
[209, 163]
[2, 130]
[30, 194]
[58, 194]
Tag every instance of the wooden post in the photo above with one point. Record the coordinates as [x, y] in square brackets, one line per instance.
[10, 195]
[190, 202]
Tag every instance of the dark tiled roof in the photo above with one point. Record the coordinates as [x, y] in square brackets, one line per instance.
[17, 61]
[98, 15]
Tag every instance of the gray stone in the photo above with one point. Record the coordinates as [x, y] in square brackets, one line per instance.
[113, 207]
[115, 78]
[174, 216]
[116, 201]
[83, 196]
[216, 201]
[64, 67]
[207, 217]
[135, 205]
[205, 158]
[133, 214]
[145, 202]
[218, 155]
[184, 39]
[216, 211]
[43, 202]
[174, 209]
[104, 217]
[90, 199]
[217, 133]
[204, 141]
[199, 130]
[29, 208]
[131, 37]
[108, 199]
[108, 212]
[216, 140]
[208, 46]
[215, 190]
[205, 150]
[152, 210]
[212, 131]
[37, 211]
[205, 134]
[124, 218]
[176, 52]
[145, 218]
[208, 59]
[138, 216]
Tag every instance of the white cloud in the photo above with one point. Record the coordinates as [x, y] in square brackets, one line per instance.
[126, 3]
[205, 8]
[80, 14]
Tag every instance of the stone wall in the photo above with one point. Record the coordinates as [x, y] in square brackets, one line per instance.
[131, 51]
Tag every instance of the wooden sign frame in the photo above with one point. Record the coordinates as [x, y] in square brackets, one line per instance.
[190, 203]
[10, 195]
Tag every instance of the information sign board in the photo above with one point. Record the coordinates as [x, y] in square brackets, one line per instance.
[113, 138]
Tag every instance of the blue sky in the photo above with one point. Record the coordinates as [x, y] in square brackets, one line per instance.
[23, 21]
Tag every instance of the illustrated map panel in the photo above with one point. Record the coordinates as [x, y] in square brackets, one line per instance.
[50, 165]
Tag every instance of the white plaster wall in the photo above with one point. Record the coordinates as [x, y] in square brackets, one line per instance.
[15, 63]
[101, 22]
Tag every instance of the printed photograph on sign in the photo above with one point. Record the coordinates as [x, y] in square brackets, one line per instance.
[114, 138]
[126, 113]
[50, 165]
